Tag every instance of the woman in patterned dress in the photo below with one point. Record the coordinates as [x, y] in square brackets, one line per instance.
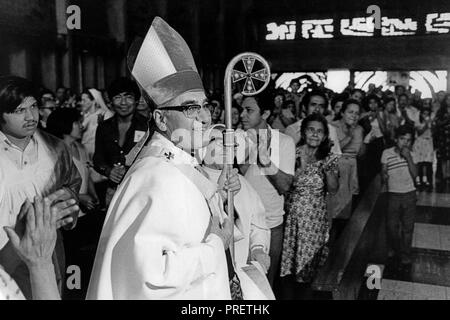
[442, 138]
[307, 224]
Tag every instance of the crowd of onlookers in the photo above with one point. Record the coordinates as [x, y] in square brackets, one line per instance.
[380, 114]
[331, 144]
[359, 135]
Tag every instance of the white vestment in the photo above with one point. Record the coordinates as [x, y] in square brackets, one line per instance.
[153, 243]
[250, 232]
[250, 229]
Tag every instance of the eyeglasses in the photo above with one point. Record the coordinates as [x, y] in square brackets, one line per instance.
[48, 108]
[311, 131]
[191, 110]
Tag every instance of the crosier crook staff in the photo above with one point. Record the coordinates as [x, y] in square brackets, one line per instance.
[262, 77]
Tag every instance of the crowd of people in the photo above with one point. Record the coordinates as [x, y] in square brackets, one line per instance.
[65, 163]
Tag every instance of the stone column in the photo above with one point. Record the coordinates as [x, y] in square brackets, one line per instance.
[117, 23]
[48, 67]
[448, 80]
[18, 62]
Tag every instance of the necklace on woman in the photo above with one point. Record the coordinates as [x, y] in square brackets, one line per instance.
[307, 157]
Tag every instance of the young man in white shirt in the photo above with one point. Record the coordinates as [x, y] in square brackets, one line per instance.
[269, 169]
[32, 163]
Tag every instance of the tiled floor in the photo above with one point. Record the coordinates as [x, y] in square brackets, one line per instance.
[428, 267]
[428, 278]
[401, 290]
[431, 236]
[433, 215]
[427, 236]
[431, 199]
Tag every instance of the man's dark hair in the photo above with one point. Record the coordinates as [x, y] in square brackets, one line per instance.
[264, 101]
[349, 102]
[124, 84]
[88, 93]
[357, 90]
[388, 99]
[307, 98]
[237, 107]
[403, 130]
[399, 86]
[366, 100]
[336, 99]
[325, 147]
[12, 92]
[403, 95]
[60, 121]
[46, 91]
[296, 80]
[286, 104]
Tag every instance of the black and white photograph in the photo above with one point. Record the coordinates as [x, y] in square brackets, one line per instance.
[216, 151]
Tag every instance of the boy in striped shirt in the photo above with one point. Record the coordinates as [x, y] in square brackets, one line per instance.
[398, 175]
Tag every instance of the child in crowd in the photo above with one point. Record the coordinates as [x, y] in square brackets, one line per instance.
[398, 174]
[423, 150]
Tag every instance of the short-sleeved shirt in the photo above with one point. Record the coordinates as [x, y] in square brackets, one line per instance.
[282, 155]
[400, 180]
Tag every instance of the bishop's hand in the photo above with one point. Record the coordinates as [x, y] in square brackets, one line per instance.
[232, 183]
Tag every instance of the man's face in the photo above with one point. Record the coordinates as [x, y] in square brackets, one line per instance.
[403, 102]
[373, 105]
[86, 102]
[187, 132]
[124, 104]
[295, 86]
[399, 90]
[251, 115]
[239, 99]
[404, 141]
[316, 105]
[357, 95]
[76, 130]
[338, 107]
[235, 116]
[278, 101]
[47, 96]
[217, 111]
[142, 105]
[23, 121]
[48, 107]
[390, 106]
[61, 94]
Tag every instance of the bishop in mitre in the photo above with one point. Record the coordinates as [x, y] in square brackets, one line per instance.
[166, 235]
